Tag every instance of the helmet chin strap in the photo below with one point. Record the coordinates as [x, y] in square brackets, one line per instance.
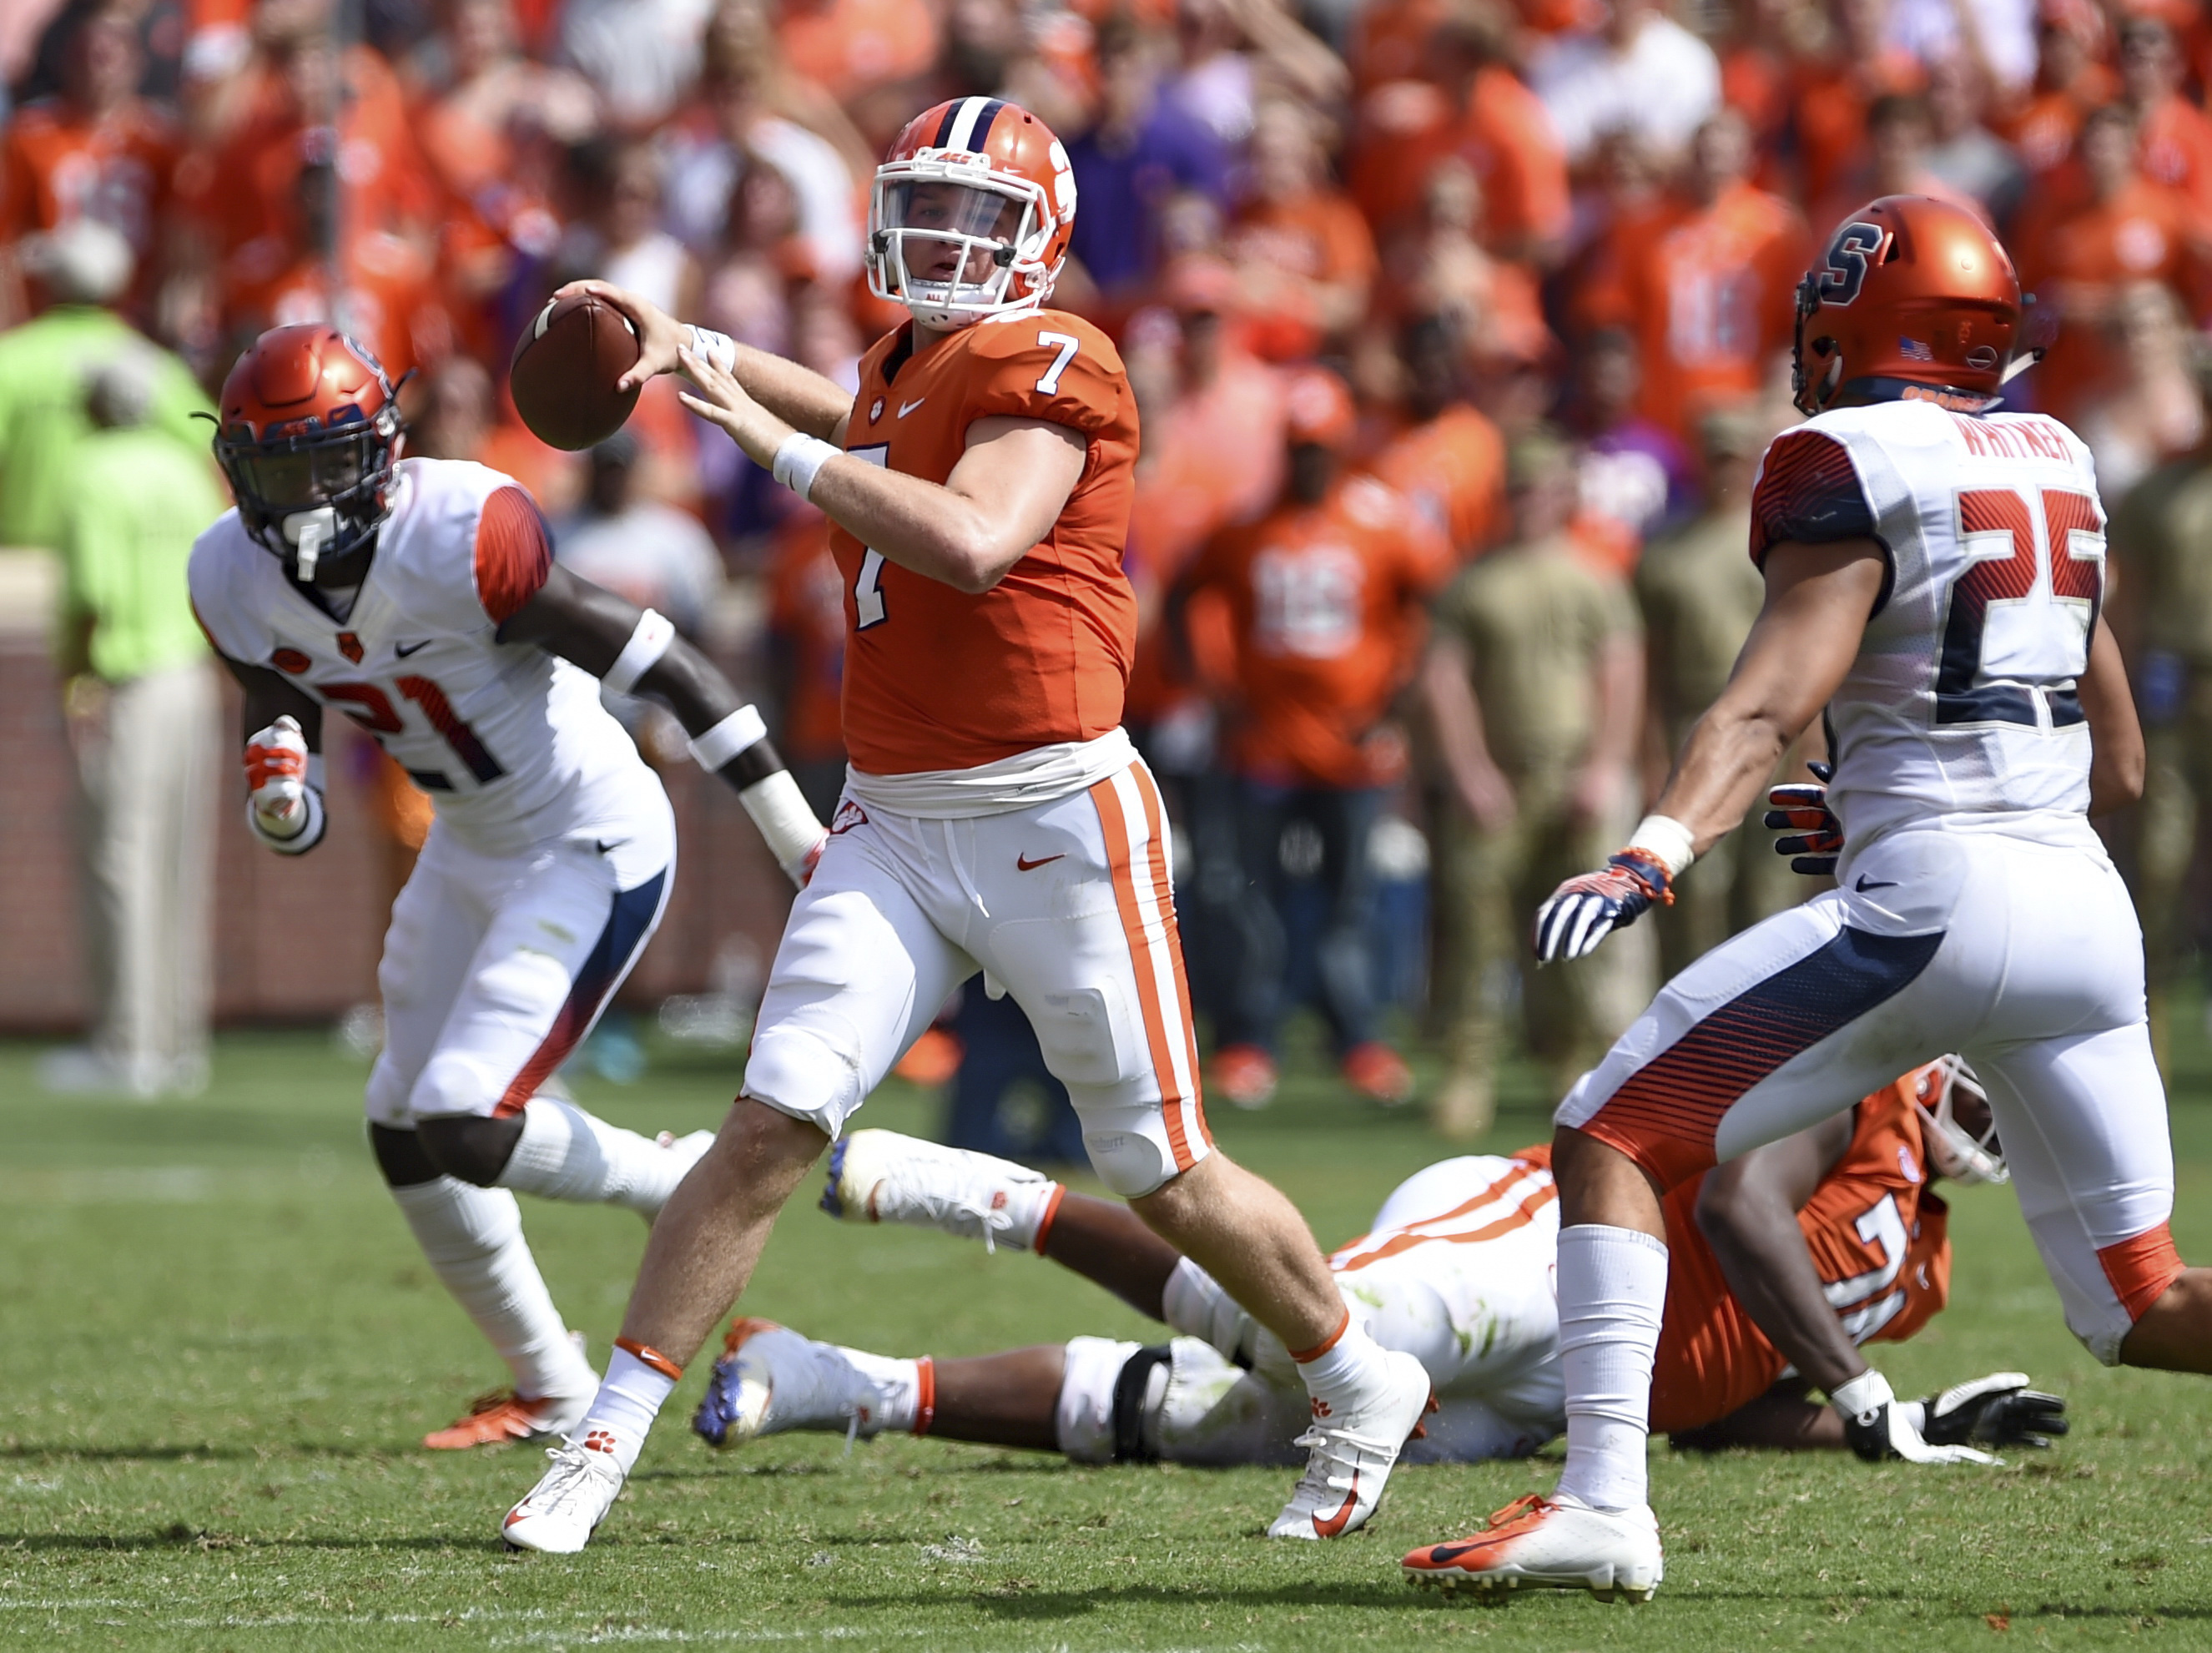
[309, 531]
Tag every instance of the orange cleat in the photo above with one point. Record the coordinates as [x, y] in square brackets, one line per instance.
[1378, 1074]
[1244, 1074]
[931, 1060]
[503, 1416]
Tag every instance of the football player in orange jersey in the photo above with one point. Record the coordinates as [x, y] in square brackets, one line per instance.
[995, 816]
[1831, 1239]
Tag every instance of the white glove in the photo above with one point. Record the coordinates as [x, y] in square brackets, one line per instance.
[277, 779]
[1881, 1428]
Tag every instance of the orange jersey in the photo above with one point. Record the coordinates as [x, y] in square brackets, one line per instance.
[937, 678]
[1504, 134]
[2043, 127]
[2175, 147]
[1713, 297]
[1878, 1239]
[1327, 603]
[56, 166]
[1453, 470]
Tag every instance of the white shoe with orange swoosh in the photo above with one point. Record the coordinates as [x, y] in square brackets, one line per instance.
[1351, 1453]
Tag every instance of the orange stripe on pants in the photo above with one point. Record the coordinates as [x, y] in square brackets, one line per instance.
[1164, 896]
[1114, 824]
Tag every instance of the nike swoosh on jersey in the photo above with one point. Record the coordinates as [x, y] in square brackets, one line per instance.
[906, 408]
[1026, 865]
[1866, 884]
[403, 650]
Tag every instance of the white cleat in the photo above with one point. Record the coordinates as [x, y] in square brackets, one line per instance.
[1351, 1453]
[880, 1177]
[1534, 1543]
[561, 1512]
[771, 1379]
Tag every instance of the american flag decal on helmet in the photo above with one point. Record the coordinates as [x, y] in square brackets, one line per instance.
[1913, 350]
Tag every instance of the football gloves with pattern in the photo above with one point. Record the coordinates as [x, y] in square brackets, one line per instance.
[1587, 908]
[1815, 836]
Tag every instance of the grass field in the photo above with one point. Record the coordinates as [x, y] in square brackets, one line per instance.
[218, 1348]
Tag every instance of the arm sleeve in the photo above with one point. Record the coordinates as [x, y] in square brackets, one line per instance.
[1808, 490]
[1023, 377]
[514, 554]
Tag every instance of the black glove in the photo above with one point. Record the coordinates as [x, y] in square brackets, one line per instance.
[1999, 1410]
[1816, 836]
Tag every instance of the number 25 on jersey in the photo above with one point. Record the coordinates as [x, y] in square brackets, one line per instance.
[2052, 537]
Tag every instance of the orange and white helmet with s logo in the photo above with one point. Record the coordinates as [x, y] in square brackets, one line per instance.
[971, 214]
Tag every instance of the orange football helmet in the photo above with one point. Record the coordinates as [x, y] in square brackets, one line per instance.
[971, 214]
[308, 433]
[1916, 298]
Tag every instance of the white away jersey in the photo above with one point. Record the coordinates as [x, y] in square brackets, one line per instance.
[510, 742]
[1962, 704]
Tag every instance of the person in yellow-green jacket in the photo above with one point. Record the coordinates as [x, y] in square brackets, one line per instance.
[143, 712]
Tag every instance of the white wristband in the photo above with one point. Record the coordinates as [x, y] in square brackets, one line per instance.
[1864, 1396]
[707, 346]
[719, 744]
[647, 644]
[799, 460]
[1666, 840]
[299, 843]
[786, 820]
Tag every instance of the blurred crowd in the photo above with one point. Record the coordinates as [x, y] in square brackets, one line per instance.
[1457, 328]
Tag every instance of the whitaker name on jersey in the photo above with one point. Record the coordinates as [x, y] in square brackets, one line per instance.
[510, 742]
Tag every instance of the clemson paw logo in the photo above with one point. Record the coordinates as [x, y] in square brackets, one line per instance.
[1320, 1408]
[599, 1440]
[998, 1198]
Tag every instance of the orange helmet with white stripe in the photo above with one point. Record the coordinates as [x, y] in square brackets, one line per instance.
[971, 214]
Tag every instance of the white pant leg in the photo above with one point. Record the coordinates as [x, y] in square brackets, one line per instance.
[438, 920]
[860, 973]
[1068, 906]
[563, 925]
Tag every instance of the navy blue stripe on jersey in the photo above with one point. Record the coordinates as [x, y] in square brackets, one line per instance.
[1665, 1116]
[1809, 491]
[629, 923]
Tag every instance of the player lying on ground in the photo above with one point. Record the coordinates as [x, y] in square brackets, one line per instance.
[420, 597]
[1933, 573]
[1831, 1238]
[995, 818]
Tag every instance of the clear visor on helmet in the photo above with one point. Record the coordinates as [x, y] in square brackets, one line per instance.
[950, 246]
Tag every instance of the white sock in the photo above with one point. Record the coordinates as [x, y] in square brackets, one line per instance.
[1613, 1289]
[623, 1412]
[564, 1154]
[1346, 1370]
[900, 1384]
[1030, 1208]
[472, 1239]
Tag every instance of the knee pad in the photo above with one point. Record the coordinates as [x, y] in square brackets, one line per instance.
[471, 1147]
[1083, 1420]
[399, 1155]
[795, 1070]
[1129, 1161]
[1209, 1411]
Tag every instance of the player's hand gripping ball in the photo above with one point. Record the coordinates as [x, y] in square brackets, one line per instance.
[567, 365]
[276, 778]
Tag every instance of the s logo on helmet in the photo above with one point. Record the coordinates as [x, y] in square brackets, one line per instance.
[1848, 256]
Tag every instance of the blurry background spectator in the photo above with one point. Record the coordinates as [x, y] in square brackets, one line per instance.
[141, 695]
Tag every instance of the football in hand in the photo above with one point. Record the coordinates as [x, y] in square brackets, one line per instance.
[564, 370]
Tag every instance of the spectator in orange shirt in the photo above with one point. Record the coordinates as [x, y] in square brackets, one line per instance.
[2172, 135]
[2076, 254]
[2071, 81]
[1628, 209]
[97, 150]
[1439, 266]
[1470, 103]
[1327, 594]
[1304, 254]
[1714, 296]
[1834, 94]
[1448, 459]
[852, 46]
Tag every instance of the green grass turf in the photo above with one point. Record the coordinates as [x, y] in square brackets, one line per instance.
[218, 1348]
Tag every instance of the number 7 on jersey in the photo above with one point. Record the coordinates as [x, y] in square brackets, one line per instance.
[868, 586]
